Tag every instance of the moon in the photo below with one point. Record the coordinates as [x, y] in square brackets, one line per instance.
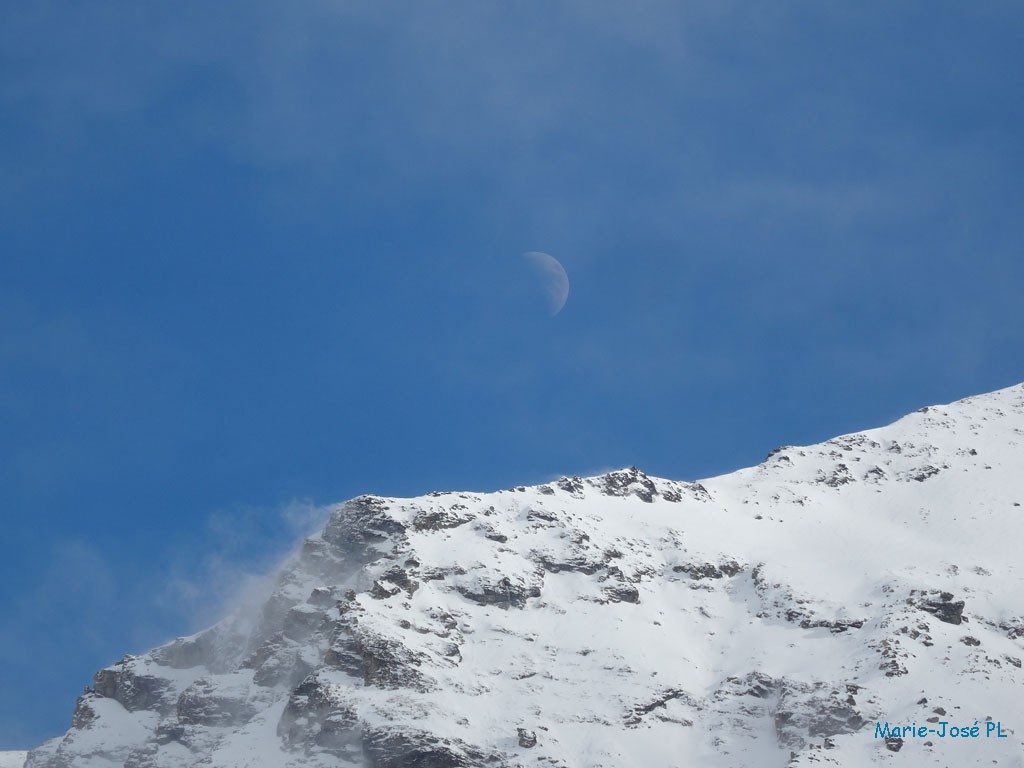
[553, 278]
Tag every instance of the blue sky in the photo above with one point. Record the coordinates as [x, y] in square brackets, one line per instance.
[259, 257]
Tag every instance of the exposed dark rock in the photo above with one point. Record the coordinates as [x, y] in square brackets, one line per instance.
[311, 706]
[84, 714]
[322, 597]
[142, 757]
[440, 519]
[527, 739]
[923, 473]
[944, 608]
[892, 658]
[320, 557]
[807, 712]
[389, 664]
[301, 621]
[338, 734]
[542, 515]
[629, 482]
[754, 684]
[699, 492]
[621, 593]
[359, 526]
[505, 593]
[893, 744]
[834, 626]
[383, 591]
[835, 717]
[204, 703]
[346, 654]
[699, 571]
[875, 474]
[168, 731]
[377, 660]
[278, 661]
[1013, 628]
[577, 564]
[132, 690]
[840, 476]
[392, 582]
[636, 715]
[400, 578]
[573, 485]
[390, 749]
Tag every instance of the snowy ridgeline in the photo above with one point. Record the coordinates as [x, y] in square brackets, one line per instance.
[775, 616]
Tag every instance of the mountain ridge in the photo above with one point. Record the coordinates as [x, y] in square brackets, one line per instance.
[776, 615]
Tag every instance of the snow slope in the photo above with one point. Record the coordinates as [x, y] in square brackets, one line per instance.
[12, 759]
[775, 616]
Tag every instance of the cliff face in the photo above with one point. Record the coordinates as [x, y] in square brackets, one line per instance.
[769, 617]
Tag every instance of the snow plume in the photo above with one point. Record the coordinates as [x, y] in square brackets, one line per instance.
[231, 563]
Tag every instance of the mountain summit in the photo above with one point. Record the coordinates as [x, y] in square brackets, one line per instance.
[858, 602]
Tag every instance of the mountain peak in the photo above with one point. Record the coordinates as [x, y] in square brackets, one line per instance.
[772, 616]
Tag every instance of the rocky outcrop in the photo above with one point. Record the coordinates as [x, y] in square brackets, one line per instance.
[132, 689]
[942, 606]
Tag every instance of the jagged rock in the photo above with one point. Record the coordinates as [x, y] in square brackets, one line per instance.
[698, 571]
[84, 713]
[1014, 628]
[419, 750]
[130, 689]
[630, 482]
[278, 661]
[527, 739]
[805, 712]
[573, 485]
[944, 609]
[440, 519]
[636, 715]
[317, 713]
[205, 703]
[360, 526]
[505, 593]
[834, 626]
[621, 593]
[841, 475]
[923, 473]
[582, 563]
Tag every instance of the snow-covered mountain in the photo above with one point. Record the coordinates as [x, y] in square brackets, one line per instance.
[792, 614]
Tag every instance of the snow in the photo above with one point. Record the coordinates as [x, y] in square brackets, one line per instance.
[12, 759]
[630, 620]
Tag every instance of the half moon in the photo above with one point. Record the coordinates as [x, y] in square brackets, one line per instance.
[553, 277]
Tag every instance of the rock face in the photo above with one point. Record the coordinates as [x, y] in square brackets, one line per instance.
[769, 617]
